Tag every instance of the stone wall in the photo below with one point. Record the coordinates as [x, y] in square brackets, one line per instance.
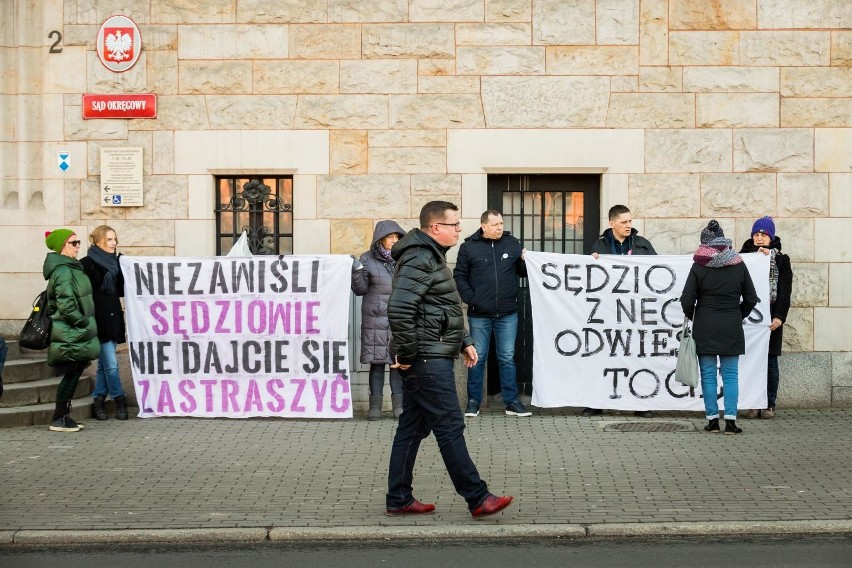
[690, 109]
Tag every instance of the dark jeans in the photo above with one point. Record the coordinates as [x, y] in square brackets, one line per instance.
[430, 404]
[773, 377]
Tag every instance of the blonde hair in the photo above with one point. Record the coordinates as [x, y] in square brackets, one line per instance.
[99, 235]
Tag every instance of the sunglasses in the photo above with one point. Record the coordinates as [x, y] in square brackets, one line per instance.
[74, 243]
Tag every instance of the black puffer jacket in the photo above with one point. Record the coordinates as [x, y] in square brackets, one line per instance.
[109, 316]
[487, 274]
[374, 282]
[781, 305]
[424, 309]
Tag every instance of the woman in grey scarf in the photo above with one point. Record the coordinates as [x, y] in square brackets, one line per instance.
[717, 297]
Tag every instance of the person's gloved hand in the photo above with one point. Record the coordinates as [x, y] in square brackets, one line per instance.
[356, 264]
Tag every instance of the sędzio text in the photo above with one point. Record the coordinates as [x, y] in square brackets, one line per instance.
[614, 324]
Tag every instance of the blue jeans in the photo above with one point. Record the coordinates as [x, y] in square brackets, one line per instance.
[773, 377]
[505, 329]
[430, 404]
[728, 366]
[107, 379]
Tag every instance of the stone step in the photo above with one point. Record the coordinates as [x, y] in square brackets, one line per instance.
[14, 349]
[25, 370]
[40, 414]
[18, 352]
[42, 391]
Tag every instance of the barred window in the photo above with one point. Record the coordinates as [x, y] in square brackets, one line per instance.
[262, 207]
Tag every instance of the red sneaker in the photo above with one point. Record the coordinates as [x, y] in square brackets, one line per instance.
[415, 508]
[492, 504]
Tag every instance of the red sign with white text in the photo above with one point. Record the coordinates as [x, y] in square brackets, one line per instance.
[120, 106]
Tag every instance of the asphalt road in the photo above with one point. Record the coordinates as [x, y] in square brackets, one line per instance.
[825, 551]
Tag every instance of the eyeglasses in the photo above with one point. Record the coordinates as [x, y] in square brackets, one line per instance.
[456, 225]
[74, 243]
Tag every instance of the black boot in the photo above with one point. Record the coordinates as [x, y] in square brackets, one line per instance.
[61, 422]
[98, 408]
[375, 411]
[396, 399]
[121, 408]
[713, 426]
[731, 427]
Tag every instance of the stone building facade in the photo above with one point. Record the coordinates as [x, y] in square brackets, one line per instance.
[686, 109]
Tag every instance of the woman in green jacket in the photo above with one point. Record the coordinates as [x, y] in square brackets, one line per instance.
[74, 335]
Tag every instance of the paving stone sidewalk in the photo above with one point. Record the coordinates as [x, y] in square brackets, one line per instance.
[563, 469]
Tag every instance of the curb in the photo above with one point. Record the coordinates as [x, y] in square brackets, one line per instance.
[461, 532]
[31, 537]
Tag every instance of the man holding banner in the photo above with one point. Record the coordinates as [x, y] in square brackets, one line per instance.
[621, 238]
[427, 327]
[487, 270]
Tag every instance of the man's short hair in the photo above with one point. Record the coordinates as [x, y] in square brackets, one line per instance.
[488, 213]
[616, 211]
[434, 211]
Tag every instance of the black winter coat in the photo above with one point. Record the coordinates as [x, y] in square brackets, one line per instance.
[635, 244]
[424, 309]
[487, 272]
[781, 305]
[374, 281]
[109, 316]
[724, 296]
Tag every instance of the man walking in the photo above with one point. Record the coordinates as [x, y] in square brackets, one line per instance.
[621, 238]
[427, 327]
[486, 274]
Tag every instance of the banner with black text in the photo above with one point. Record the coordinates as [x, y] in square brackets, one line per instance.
[239, 337]
[606, 332]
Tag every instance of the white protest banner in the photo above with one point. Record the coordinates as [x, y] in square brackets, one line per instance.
[239, 337]
[606, 332]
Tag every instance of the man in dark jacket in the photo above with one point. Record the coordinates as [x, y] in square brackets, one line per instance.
[621, 238]
[427, 327]
[486, 274]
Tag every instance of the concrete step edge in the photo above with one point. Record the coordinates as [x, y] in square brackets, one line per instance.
[38, 414]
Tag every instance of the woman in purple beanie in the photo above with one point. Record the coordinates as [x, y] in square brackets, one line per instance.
[763, 239]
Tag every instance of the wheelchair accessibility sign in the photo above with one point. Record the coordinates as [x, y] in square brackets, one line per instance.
[116, 200]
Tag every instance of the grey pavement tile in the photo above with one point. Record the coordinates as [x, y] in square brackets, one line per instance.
[197, 474]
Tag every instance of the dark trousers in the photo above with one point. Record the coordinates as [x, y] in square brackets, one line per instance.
[430, 404]
[377, 380]
[773, 377]
[72, 371]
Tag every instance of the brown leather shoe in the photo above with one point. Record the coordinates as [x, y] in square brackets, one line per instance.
[767, 413]
[414, 508]
[752, 414]
[490, 505]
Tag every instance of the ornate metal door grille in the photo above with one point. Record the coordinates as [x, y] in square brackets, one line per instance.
[261, 207]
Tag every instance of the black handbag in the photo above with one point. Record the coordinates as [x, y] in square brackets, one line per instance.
[36, 331]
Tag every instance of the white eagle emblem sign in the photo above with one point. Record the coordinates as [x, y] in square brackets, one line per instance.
[119, 43]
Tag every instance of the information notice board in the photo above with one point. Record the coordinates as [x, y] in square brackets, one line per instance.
[121, 177]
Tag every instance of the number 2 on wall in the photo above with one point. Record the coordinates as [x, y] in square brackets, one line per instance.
[53, 48]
